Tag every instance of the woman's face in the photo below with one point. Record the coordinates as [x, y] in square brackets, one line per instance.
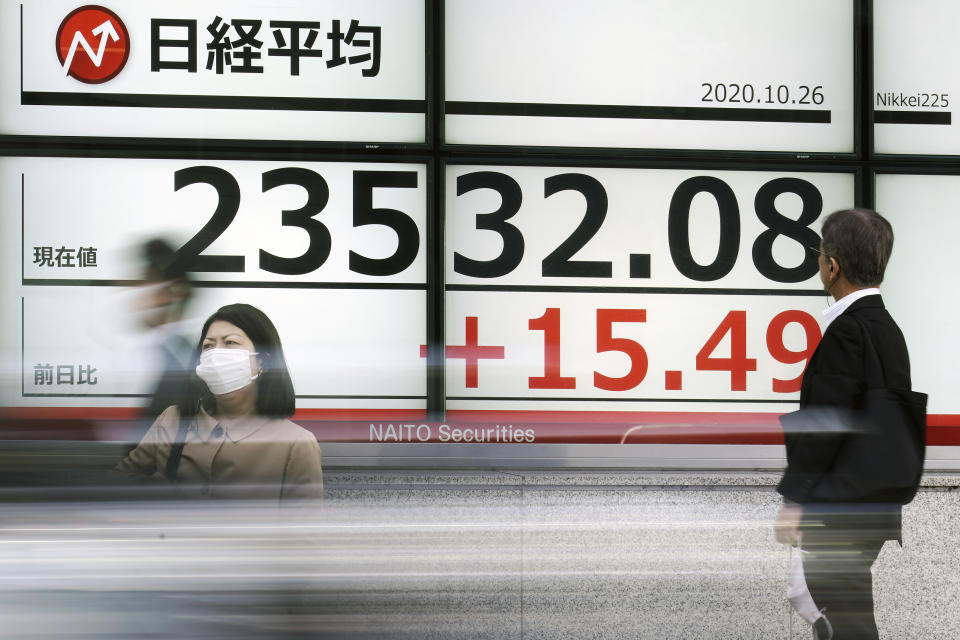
[224, 335]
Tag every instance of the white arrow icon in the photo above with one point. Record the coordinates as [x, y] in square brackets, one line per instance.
[105, 31]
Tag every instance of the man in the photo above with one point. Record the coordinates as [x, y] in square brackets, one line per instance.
[842, 531]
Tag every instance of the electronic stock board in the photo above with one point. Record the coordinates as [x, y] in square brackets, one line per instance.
[623, 217]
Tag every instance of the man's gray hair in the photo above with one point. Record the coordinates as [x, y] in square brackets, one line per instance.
[861, 241]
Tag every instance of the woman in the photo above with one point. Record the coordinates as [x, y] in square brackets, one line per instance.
[229, 433]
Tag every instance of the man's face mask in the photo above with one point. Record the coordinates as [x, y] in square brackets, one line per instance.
[225, 370]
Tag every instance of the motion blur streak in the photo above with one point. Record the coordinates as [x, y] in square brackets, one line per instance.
[371, 563]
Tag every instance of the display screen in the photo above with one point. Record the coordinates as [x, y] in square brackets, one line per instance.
[613, 289]
[571, 285]
[245, 70]
[744, 75]
[922, 210]
[332, 252]
[915, 55]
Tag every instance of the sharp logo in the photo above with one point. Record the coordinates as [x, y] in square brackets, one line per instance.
[92, 44]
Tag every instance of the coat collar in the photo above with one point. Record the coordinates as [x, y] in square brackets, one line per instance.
[874, 301]
[867, 302]
[235, 428]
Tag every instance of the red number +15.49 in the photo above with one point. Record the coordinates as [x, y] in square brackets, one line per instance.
[736, 363]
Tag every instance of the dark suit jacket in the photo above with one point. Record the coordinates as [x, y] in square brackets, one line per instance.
[835, 378]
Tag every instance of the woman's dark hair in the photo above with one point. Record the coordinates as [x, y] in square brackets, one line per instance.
[275, 396]
[861, 241]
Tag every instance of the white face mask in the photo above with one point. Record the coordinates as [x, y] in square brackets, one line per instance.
[225, 370]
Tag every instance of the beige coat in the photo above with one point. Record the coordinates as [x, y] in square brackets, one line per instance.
[253, 456]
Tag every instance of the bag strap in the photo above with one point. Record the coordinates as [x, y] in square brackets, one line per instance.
[176, 451]
[876, 374]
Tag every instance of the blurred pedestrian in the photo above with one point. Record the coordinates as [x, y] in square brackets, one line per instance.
[161, 308]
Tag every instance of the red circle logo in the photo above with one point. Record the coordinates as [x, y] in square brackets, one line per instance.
[92, 44]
